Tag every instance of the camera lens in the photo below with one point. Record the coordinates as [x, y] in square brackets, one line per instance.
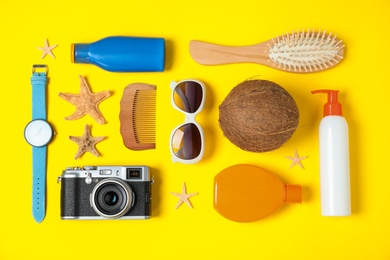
[112, 198]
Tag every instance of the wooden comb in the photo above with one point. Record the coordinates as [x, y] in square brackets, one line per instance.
[138, 116]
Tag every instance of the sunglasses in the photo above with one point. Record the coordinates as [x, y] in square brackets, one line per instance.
[187, 140]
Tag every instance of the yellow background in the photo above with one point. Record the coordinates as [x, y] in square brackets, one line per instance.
[295, 231]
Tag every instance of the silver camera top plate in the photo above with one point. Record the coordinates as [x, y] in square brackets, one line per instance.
[133, 173]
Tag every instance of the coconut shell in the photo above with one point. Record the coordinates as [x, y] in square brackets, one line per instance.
[258, 116]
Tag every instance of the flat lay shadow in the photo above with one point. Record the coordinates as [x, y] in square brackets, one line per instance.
[169, 47]
[156, 192]
[210, 127]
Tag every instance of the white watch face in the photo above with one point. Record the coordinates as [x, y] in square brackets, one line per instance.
[38, 133]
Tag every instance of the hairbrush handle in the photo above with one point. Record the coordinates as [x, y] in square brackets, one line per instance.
[213, 54]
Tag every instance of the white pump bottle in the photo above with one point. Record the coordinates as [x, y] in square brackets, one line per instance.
[334, 158]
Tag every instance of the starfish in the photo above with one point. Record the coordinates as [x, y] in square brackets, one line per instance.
[296, 160]
[86, 102]
[184, 196]
[86, 143]
[47, 49]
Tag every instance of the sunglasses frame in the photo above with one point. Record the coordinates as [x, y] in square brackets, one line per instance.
[189, 119]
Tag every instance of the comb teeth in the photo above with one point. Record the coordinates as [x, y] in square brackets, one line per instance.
[305, 51]
[138, 116]
[144, 116]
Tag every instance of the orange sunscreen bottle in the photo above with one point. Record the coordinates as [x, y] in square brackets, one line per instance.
[246, 193]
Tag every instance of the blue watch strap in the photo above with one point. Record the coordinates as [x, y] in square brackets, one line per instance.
[39, 183]
[38, 82]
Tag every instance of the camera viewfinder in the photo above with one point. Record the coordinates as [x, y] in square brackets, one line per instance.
[132, 173]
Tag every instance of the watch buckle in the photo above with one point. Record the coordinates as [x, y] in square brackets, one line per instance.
[37, 68]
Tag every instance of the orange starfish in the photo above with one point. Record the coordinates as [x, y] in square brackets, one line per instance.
[86, 143]
[47, 49]
[184, 196]
[296, 160]
[86, 102]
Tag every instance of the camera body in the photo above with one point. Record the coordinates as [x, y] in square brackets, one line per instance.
[106, 192]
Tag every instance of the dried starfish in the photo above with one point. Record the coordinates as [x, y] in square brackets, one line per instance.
[47, 49]
[86, 143]
[296, 160]
[184, 196]
[86, 102]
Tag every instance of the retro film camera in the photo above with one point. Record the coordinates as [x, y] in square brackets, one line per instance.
[105, 192]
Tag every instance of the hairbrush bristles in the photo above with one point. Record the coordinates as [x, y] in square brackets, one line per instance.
[138, 116]
[305, 51]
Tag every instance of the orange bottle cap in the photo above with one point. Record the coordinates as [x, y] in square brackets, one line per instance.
[293, 193]
[72, 53]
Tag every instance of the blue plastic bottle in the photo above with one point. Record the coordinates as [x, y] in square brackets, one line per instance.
[122, 54]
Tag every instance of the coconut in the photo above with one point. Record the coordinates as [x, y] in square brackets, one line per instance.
[258, 116]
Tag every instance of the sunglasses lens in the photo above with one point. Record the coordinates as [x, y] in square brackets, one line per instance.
[186, 142]
[188, 96]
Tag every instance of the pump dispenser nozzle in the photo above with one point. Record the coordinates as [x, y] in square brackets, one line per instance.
[332, 107]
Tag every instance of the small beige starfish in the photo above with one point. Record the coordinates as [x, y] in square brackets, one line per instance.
[86, 143]
[296, 160]
[184, 196]
[47, 49]
[86, 102]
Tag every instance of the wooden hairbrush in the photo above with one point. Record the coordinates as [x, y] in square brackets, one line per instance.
[138, 116]
[302, 51]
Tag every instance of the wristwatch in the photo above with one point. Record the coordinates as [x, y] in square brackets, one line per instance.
[38, 133]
